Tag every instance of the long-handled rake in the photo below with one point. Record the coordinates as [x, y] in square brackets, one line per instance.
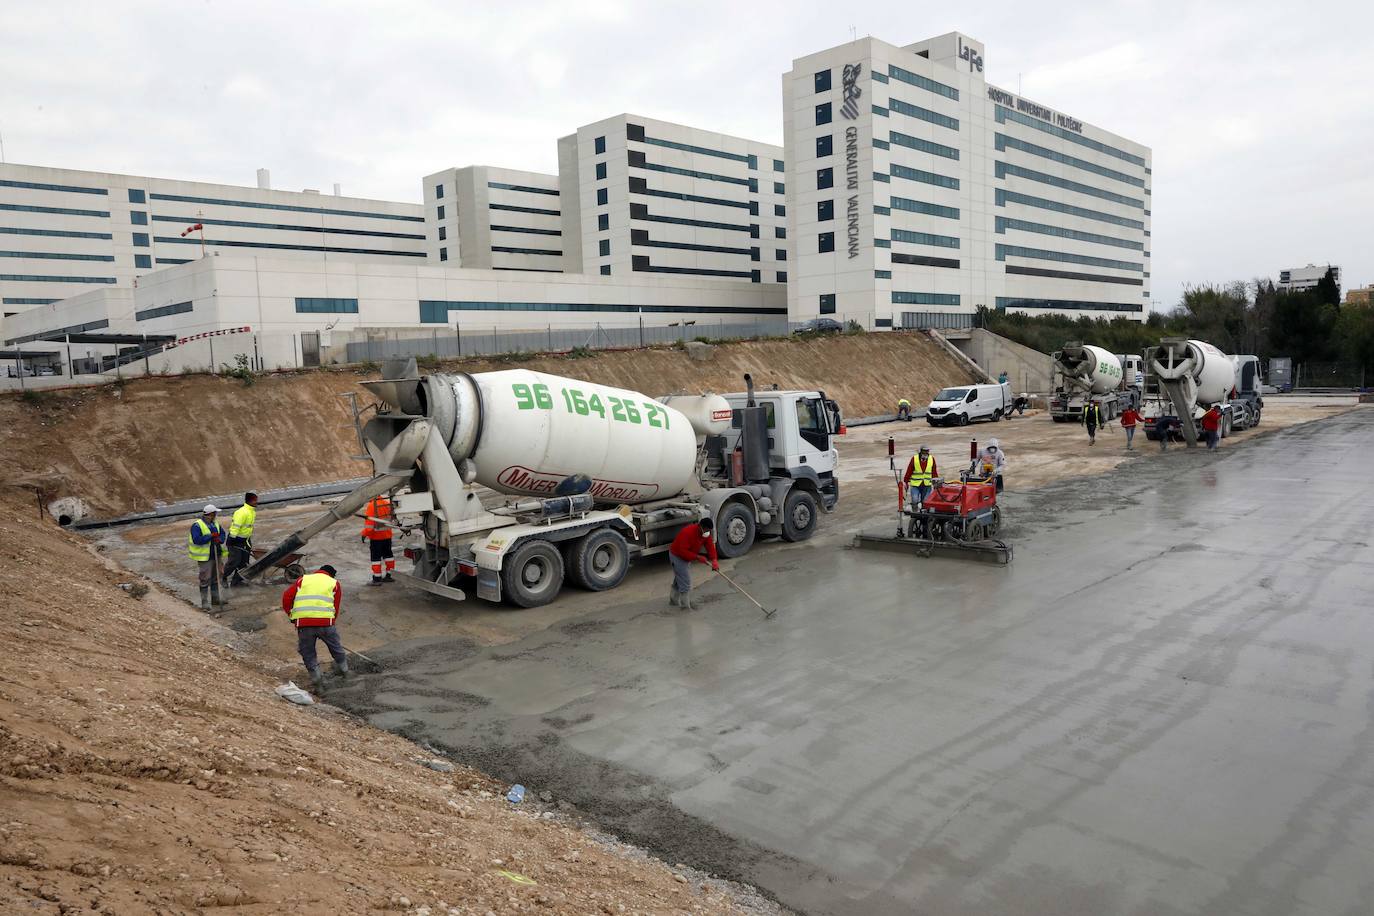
[740, 589]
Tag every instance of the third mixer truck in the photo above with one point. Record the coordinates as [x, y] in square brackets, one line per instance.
[517, 480]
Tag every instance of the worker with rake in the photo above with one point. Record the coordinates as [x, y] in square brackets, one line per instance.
[687, 549]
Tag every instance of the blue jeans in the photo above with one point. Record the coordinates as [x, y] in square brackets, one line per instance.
[305, 644]
[682, 574]
[1212, 438]
[916, 495]
[1130, 434]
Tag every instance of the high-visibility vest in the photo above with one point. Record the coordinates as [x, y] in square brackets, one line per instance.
[921, 474]
[379, 509]
[314, 597]
[201, 552]
[1093, 411]
[241, 525]
[903, 403]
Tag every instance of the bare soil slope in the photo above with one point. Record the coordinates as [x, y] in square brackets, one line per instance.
[122, 447]
[144, 769]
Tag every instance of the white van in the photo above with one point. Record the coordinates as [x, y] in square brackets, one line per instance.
[959, 406]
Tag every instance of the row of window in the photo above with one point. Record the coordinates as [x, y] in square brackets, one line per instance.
[55, 211]
[1014, 251]
[924, 260]
[56, 256]
[1071, 275]
[924, 238]
[925, 146]
[174, 260]
[56, 332]
[33, 278]
[920, 206]
[750, 183]
[511, 208]
[641, 263]
[327, 306]
[525, 229]
[21, 300]
[435, 311]
[1004, 114]
[910, 174]
[540, 251]
[900, 297]
[751, 160]
[641, 212]
[1004, 142]
[922, 82]
[641, 238]
[179, 308]
[55, 233]
[640, 186]
[330, 249]
[181, 198]
[1005, 197]
[525, 188]
[1004, 169]
[925, 114]
[282, 227]
[1014, 302]
[39, 186]
[1004, 223]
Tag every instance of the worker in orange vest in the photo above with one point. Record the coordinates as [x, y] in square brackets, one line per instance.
[377, 531]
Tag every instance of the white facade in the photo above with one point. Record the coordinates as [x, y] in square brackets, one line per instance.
[918, 191]
[64, 232]
[1306, 277]
[644, 196]
[284, 307]
[494, 219]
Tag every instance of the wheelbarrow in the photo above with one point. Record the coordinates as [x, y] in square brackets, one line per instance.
[290, 565]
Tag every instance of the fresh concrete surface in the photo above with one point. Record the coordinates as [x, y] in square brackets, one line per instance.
[1164, 706]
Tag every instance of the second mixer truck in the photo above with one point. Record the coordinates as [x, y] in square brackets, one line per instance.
[517, 480]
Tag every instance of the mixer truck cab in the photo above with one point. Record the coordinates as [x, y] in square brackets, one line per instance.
[961, 405]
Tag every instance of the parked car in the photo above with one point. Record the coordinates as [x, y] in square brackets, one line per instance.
[820, 326]
[960, 406]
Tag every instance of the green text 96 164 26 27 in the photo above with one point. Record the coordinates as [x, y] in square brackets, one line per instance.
[620, 410]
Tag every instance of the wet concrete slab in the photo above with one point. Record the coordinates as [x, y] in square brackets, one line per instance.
[1165, 705]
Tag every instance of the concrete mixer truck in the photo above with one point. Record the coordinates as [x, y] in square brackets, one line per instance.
[1185, 378]
[515, 480]
[1084, 374]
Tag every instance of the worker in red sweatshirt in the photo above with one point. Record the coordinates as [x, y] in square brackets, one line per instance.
[688, 548]
[1211, 425]
[312, 602]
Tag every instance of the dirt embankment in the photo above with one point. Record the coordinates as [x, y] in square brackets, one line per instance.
[145, 769]
[120, 448]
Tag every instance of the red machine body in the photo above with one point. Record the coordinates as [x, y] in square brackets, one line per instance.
[962, 499]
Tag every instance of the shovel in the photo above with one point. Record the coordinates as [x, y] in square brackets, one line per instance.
[738, 588]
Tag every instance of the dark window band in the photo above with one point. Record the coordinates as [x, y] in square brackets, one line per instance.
[168, 240]
[285, 227]
[1070, 275]
[924, 260]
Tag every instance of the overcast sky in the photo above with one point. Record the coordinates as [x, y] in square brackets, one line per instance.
[1260, 115]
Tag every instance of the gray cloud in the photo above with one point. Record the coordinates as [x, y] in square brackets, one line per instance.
[1257, 113]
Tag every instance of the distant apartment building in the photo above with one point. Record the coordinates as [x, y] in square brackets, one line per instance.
[650, 197]
[69, 231]
[1363, 295]
[918, 192]
[1295, 278]
[489, 218]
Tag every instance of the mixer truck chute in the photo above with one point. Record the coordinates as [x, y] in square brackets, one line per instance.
[1086, 374]
[517, 480]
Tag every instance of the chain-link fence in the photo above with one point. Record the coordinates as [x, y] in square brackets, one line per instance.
[1330, 375]
[474, 340]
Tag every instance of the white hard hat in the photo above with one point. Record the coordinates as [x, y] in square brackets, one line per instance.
[210, 509]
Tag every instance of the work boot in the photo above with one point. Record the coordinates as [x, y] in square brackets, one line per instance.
[205, 599]
[672, 599]
[686, 601]
[375, 582]
[388, 578]
[215, 598]
[317, 679]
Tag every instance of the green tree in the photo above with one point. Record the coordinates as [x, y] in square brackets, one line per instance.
[1328, 290]
[1355, 331]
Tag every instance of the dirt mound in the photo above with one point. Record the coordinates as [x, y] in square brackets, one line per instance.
[145, 769]
[122, 447]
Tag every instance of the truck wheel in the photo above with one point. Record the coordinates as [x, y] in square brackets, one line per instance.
[963, 419]
[798, 516]
[532, 575]
[734, 530]
[598, 560]
[997, 415]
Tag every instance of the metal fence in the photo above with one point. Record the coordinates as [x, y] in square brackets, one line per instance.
[474, 340]
[940, 321]
[1330, 375]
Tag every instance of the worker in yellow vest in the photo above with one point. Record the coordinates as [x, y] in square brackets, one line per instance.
[313, 603]
[377, 532]
[206, 546]
[920, 477]
[241, 539]
[903, 409]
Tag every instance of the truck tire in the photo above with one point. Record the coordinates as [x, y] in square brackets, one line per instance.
[799, 516]
[734, 530]
[532, 574]
[598, 560]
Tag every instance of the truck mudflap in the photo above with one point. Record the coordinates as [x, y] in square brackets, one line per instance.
[489, 585]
